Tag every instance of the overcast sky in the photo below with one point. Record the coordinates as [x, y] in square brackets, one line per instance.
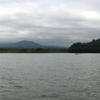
[57, 20]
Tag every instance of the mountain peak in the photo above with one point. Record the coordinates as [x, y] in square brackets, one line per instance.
[26, 44]
[25, 41]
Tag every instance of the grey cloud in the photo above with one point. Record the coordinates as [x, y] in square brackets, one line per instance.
[59, 21]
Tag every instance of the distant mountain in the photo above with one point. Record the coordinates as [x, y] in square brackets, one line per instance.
[20, 44]
[27, 44]
[90, 47]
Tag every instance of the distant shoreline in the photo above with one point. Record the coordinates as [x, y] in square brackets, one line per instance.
[32, 50]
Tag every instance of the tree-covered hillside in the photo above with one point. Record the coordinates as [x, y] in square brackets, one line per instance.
[90, 47]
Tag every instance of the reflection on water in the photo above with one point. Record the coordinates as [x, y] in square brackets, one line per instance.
[49, 77]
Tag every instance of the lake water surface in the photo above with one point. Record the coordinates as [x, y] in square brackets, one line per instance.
[49, 77]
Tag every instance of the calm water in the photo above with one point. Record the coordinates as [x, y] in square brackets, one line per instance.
[49, 77]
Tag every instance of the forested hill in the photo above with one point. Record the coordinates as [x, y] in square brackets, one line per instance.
[90, 47]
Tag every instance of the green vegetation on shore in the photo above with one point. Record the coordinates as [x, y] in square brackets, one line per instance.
[32, 50]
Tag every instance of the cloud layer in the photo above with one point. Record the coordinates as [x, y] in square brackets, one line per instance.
[61, 20]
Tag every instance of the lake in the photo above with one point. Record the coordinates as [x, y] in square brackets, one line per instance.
[49, 77]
